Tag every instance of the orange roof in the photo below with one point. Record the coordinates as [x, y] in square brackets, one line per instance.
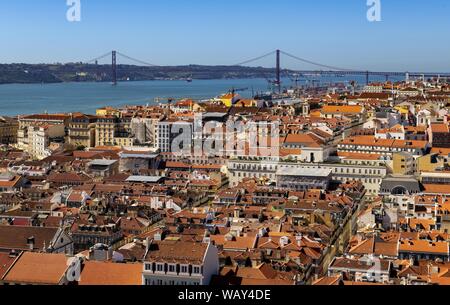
[436, 189]
[358, 156]
[106, 148]
[315, 113]
[240, 243]
[372, 141]
[305, 139]
[441, 151]
[346, 109]
[106, 273]
[424, 223]
[424, 246]
[440, 128]
[10, 183]
[38, 268]
[328, 281]
[284, 152]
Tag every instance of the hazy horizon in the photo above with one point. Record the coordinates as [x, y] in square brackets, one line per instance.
[410, 36]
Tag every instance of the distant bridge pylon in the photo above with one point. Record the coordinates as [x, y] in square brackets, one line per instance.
[323, 69]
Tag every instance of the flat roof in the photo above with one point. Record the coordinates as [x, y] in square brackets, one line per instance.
[305, 172]
[436, 174]
[102, 162]
[138, 156]
[144, 179]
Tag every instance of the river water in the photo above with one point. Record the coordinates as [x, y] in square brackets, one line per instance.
[18, 99]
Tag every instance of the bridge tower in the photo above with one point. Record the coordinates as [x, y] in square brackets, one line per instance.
[278, 81]
[114, 68]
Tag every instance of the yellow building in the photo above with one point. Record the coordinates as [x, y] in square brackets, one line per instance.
[8, 130]
[82, 130]
[229, 99]
[438, 158]
[246, 103]
[403, 164]
[404, 110]
[123, 141]
[113, 131]
[104, 131]
[107, 111]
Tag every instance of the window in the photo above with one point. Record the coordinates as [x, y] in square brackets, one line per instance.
[159, 267]
[196, 270]
[184, 269]
[148, 267]
[171, 268]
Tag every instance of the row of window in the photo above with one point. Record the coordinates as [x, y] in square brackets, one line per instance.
[341, 170]
[150, 282]
[172, 268]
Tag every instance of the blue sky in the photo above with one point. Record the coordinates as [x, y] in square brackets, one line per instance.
[413, 34]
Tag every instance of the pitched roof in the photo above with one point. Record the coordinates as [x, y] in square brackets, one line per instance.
[424, 246]
[6, 262]
[177, 252]
[106, 273]
[16, 237]
[346, 109]
[38, 268]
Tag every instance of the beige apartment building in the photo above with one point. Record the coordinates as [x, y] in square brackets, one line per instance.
[34, 120]
[113, 131]
[82, 130]
[8, 130]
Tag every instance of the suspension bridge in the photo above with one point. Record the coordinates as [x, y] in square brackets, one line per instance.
[321, 70]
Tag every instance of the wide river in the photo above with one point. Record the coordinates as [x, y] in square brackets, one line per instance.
[87, 97]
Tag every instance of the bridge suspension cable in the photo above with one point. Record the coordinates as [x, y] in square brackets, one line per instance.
[137, 60]
[255, 59]
[314, 63]
[98, 58]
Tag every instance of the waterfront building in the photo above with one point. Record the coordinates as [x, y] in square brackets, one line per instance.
[8, 130]
[82, 131]
[40, 138]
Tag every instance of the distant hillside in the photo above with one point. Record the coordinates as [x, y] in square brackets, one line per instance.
[77, 72]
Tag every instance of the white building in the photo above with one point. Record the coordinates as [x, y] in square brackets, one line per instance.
[40, 137]
[174, 262]
[144, 130]
[170, 131]
[370, 175]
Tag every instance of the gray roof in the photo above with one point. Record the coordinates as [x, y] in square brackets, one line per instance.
[144, 179]
[304, 172]
[410, 183]
[138, 156]
[102, 162]
[214, 115]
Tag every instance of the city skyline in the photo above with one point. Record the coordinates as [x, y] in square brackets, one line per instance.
[224, 151]
[178, 33]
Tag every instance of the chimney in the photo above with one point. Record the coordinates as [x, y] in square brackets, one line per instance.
[31, 242]
[148, 243]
